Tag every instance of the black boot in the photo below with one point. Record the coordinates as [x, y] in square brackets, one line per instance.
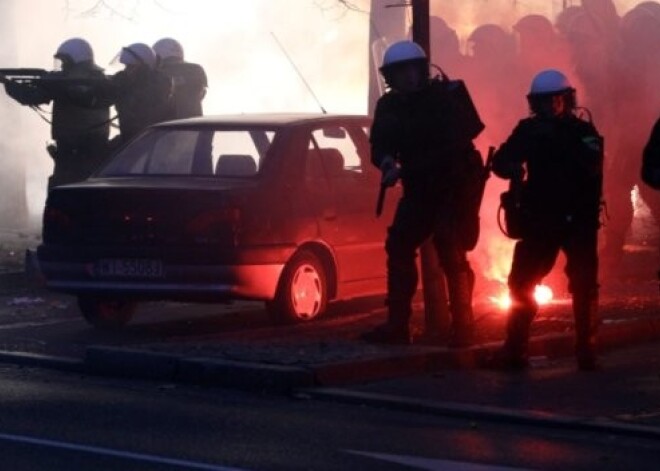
[585, 310]
[396, 331]
[460, 286]
[514, 353]
[388, 334]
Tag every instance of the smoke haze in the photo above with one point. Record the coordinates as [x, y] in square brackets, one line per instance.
[231, 39]
[329, 42]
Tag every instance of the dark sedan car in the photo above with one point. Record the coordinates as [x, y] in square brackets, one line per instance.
[278, 208]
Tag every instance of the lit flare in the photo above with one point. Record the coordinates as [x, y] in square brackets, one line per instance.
[542, 294]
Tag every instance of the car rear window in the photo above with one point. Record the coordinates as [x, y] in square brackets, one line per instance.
[224, 153]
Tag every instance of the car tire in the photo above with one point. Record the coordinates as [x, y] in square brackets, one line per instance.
[302, 293]
[106, 314]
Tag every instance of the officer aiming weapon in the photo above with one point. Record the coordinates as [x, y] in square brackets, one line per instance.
[81, 91]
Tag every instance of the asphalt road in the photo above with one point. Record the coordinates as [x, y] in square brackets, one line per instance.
[57, 421]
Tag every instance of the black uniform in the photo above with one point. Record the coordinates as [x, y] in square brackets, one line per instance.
[189, 87]
[80, 125]
[437, 158]
[559, 206]
[142, 98]
[651, 162]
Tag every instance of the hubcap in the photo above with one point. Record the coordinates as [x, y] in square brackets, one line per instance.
[306, 292]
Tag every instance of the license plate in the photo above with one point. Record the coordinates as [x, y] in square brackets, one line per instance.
[130, 268]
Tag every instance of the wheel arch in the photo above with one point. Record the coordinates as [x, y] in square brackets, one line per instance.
[327, 257]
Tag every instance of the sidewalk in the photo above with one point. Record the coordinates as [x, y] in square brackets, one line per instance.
[329, 353]
[235, 346]
[622, 397]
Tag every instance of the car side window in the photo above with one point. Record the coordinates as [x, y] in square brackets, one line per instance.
[202, 152]
[333, 153]
[238, 153]
[175, 153]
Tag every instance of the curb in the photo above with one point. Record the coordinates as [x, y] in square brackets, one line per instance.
[280, 379]
[484, 413]
[70, 365]
[374, 369]
[130, 363]
[622, 334]
[133, 363]
[242, 375]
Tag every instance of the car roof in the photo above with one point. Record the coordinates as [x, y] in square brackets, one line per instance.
[262, 119]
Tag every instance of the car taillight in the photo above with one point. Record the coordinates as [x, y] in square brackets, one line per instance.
[57, 225]
[215, 226]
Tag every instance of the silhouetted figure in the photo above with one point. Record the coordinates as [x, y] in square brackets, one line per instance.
[638, 112]
[445, 48]
[651, 159]
[594, 34]
[420, 136]
[540, 47]
[141, 94]
[556, 208]
[80, 126]
[494, 76]
[188, 80]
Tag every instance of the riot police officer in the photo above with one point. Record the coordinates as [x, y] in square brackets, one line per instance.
[189, 80]
[557, 208]
[141, 94]
[79, 126]
[417, 137]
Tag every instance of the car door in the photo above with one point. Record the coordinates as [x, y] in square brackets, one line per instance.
[356, 235]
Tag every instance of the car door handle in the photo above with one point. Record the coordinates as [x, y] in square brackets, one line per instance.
[330, 214]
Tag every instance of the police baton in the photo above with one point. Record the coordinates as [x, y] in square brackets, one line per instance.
[381, 200]
[488, 168]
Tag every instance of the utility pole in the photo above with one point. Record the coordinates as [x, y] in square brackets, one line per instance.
[436, 312]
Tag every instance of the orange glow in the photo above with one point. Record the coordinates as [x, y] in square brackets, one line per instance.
[503, 301]
[542, 294]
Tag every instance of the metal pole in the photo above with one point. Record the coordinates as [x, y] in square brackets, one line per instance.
[436, 312]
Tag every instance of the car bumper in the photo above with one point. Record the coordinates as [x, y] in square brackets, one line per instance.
[212, 281]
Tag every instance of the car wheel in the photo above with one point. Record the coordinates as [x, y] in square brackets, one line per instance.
[302, 293]
[106, 314]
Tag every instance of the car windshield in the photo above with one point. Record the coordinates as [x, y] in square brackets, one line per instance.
[207, 152]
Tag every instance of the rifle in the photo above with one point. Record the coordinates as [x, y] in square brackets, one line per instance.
[43, 78]
[21, 75]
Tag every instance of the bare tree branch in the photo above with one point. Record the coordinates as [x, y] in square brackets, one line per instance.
[339, 8]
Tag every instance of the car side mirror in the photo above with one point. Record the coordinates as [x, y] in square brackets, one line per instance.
[334, 133]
